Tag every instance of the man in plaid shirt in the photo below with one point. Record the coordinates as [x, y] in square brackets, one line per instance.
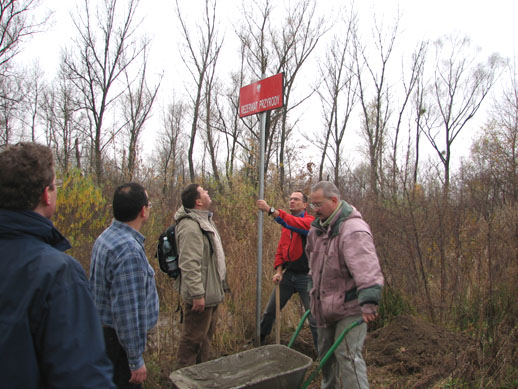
[123, 285]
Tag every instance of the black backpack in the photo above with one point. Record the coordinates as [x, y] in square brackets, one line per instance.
[167, 253]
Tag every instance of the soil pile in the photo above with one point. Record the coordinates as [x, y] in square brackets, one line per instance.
[410, 352]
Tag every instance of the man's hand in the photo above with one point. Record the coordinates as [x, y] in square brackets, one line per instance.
[368, 317]
[138, 376]
[277, 277]
[369, 312]
[198, 305]
[263, 205]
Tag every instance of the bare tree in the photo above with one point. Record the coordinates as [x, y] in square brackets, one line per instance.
[409, 84]
[62, 117]
[136, 109]
[198, 57]
[303, 29]
[106, 47]
[211, 92]
[169, 146]
[495, 152]
[375, 103]
[255, 35]
[459, 86]
[338, 96]
[420, 116]
[11, 100]
[17, 24]
[33, 86]
[273, 50]
[229, 125]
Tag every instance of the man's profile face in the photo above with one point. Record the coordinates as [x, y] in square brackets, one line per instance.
[147, 208]
[53, 197]
[323, 206]
[204, 199]
[297, 204]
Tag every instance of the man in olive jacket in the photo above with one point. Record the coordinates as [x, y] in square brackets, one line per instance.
[203, 271]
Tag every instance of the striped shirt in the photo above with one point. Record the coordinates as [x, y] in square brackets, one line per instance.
[123, 287]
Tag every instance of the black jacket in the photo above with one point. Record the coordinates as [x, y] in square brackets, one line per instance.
[50, 333]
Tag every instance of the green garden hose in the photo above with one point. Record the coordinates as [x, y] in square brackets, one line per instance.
[301, 323]
[329, 352]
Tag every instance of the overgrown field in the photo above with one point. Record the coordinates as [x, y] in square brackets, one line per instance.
[449, 315]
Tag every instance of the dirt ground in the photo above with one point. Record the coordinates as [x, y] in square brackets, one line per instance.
[410, 353]
[407, 353]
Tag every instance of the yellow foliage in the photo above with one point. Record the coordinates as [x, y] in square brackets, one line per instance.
[82, 213]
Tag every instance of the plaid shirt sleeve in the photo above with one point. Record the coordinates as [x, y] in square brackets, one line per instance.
[132, 315]
[124, 289]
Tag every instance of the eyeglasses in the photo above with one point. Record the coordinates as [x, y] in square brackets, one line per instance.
[317, 205]
[57, 184]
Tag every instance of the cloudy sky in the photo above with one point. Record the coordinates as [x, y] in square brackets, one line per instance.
[490, 25]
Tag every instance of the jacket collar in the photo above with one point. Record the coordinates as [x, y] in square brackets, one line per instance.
[133, 232]
[334, 226]
[19, 223]
[204, 218]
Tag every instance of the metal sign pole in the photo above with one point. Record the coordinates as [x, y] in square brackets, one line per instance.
[260, 232]
[259, 97]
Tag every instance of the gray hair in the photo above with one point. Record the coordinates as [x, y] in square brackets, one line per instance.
[328, 189]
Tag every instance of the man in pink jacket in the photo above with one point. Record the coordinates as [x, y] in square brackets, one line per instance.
[347, 283]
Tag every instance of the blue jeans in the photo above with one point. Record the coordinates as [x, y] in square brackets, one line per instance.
[291, 283]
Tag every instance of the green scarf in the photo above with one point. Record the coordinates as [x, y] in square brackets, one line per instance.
[326, 222]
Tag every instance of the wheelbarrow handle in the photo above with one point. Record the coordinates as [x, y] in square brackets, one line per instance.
[299, 327]
[330, 352]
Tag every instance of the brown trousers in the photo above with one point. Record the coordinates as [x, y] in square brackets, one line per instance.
[198, 330]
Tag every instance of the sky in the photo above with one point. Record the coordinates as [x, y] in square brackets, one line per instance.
[491, 25]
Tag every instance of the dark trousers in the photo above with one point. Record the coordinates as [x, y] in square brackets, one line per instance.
[291, 283]
[197, 333]
[117, 354]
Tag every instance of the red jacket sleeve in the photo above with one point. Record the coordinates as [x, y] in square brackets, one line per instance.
[302, 223]
[295, 221]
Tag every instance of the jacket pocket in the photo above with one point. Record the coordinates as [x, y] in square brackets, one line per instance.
[333, 306]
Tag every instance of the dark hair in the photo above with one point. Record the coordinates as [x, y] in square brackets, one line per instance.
[304, 196]
[26, 169]
[189, 195]
[128, 201]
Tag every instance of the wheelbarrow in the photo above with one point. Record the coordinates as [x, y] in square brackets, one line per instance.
[268, 367]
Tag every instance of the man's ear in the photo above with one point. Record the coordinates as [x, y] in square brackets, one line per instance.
[45, 196]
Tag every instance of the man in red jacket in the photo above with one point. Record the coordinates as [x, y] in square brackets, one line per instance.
[291, 263]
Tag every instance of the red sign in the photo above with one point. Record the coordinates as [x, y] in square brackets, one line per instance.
[261, 96]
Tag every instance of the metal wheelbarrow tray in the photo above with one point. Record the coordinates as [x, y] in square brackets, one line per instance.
[268, 367]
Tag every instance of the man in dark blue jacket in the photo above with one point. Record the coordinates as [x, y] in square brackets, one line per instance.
[50, 333]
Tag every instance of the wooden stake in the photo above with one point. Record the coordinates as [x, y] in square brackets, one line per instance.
[278, 314]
